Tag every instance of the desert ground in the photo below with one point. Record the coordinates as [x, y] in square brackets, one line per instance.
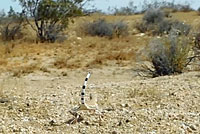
[40, 83]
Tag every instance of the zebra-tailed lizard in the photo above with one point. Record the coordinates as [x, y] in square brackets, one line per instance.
[92, 103]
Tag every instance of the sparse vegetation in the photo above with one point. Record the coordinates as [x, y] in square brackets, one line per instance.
[128, 10]
[24, 70]
[169, 55]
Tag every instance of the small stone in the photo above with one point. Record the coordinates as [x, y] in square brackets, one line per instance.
[127, 121]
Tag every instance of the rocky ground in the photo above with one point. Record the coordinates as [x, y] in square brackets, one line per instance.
[40, 103]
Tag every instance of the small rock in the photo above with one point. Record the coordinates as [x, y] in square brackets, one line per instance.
[52, 122]
[114, 132]
[193, 127]
[3, 100]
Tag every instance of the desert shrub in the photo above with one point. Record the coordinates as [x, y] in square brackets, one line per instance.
[103, 28]
[163, 27]
[120, 28]
[153, 16]
[150, 20]
[144, 27]
[166, 26]
[11, 25]
[181, 27]
[169, 55]
[99, 28]
[141, 27]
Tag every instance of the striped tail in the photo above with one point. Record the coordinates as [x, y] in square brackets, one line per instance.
[83, 89]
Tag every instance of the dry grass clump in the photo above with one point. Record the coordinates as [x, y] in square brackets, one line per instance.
[60, 63]
[24, 70]
[63, 62]
[118, 57]
[97, 62]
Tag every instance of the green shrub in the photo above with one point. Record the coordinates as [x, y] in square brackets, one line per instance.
[169, 55]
